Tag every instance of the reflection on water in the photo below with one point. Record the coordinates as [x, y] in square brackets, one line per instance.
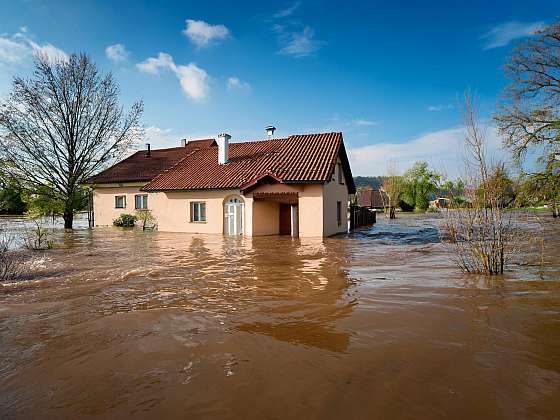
[377, 324]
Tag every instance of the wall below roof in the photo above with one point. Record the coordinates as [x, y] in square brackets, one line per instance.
[266, 218]
[104, 210]
[333, 191]
[316, 209]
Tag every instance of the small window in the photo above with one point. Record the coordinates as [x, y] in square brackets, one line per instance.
[140, 202]
[120, 201]
[198, 212]
[339, 213]
[340, 174]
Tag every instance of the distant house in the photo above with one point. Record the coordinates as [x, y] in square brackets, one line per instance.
[373, 199]
[440, 203]
[299, 186]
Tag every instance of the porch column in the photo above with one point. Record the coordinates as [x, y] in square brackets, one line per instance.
[294, 220]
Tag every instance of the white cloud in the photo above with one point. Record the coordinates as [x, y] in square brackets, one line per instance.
[288, 11]
[12, 51]
[20, 47]
[116, 52]
[441, 107]
[443, 150]
[364, 122]
[233, 83]
[202, 34]
[193, 79]
[160, 137]
[52, 53]
[153, 65]
[299, 44]
[502, 34]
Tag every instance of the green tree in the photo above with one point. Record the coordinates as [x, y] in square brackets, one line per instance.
[393, 185]
[11, 201]
[42, 201]
[420, 182]
[62, 125]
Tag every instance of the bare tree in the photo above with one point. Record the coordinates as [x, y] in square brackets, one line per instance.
[62, 125]
[529, 114]
[484, 236]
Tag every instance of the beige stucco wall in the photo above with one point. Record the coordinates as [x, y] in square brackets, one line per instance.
[333, 191]
[266, 218]
[172, 210]
[311, 211]
[104, 202]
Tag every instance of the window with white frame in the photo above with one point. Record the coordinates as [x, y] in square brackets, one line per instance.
[198, 211]
[141, 201]
[120, 201]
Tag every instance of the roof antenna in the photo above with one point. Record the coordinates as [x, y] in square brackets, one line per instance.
[270, 131]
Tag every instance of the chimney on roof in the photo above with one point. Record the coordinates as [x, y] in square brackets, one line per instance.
[270, 131]
[223, 148]
[183, 142]
[148, 151]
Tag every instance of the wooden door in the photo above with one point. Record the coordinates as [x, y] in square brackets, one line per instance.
[285, 220]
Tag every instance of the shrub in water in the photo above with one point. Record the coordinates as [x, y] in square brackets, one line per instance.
[125, 220]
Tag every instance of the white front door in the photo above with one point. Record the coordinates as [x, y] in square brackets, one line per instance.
[233, 217]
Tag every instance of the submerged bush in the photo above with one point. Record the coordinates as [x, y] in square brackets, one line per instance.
[146, 219]
[125, 220]
[38, 237]
[11, 261]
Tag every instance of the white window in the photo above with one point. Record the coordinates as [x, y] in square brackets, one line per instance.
[120, 201]
[198, 211]
[141, 202]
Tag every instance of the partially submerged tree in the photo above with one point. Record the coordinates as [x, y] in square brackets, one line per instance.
[62, 125]
[529, 115]
[483, 235]
[393, 186]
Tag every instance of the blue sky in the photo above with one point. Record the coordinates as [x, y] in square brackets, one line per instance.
[389, 75]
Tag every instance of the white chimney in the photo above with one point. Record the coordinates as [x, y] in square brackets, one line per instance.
[183, 142]
[270, 131]
[223, 148]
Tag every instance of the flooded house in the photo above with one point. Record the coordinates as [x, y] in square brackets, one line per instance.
[298, 185]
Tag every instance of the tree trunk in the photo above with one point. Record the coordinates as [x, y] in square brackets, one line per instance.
[392, 214]
[68, 218]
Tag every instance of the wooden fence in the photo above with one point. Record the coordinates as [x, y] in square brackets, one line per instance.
[361, 216]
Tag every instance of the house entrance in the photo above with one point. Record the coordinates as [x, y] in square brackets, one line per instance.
[285, 227]
[233, 216]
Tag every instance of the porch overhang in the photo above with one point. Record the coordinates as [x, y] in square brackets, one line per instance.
[267, 178]
[277, 197]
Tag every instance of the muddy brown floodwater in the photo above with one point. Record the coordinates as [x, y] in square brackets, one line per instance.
[376, 325]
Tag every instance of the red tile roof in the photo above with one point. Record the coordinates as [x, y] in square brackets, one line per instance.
[140, 168]
[309, 158]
